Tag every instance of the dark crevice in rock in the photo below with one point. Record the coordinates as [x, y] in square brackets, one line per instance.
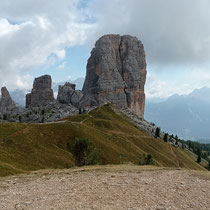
[121, 71]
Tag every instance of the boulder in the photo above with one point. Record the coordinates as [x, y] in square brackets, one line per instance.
[65, 93]
[116, 73]
[68, 95]
[41, 94]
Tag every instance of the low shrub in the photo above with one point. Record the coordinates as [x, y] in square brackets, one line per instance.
[85, 152]
[147, 159]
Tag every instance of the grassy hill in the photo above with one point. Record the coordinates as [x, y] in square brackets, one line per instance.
[25, 147]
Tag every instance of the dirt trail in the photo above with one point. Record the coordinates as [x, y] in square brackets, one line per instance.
[108, 188]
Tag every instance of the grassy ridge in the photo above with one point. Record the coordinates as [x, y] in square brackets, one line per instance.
[25, 147]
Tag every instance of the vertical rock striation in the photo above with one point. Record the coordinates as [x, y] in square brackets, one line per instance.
[41, 94]
[116, 73]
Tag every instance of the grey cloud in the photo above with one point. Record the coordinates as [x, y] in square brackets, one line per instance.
[174, 32]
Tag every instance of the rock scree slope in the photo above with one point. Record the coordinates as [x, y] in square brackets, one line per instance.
[116, 73]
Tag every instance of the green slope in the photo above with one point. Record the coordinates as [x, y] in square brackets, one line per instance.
[25, 147]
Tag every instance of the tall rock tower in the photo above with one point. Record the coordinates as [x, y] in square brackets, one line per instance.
[42, 93]
[116, 73]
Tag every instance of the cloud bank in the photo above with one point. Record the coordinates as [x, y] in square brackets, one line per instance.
[32, 31]
[173, 32]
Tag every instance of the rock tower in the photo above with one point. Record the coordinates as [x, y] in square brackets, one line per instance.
[41, 94]
[116, 73]
[6, 102]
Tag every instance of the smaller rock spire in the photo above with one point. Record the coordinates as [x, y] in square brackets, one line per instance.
[42, 93]
[6, 102]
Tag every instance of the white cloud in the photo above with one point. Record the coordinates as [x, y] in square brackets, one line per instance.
[31, 31]
[6, 28]
[184, 83]
[60, 54]
[62, 65]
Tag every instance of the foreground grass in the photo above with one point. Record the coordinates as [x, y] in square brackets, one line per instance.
[27, 147]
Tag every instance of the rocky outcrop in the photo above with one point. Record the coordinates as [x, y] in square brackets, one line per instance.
[41, 94]
[116, 73]
[68, 95]
[7, 105]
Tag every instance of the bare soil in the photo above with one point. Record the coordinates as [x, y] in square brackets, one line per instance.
[107, 187]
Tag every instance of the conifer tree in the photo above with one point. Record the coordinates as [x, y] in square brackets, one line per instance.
[165, 138]
[157, 132]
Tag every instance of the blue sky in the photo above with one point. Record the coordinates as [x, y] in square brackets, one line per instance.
[56, 37]
[73, 66]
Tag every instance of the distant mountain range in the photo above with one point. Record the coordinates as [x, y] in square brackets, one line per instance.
[188, 116]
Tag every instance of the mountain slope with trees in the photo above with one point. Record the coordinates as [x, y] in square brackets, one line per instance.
[184, 115]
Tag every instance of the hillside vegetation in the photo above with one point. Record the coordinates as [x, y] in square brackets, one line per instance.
[25, 147]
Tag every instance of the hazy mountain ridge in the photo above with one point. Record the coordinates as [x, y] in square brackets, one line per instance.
[185, 115]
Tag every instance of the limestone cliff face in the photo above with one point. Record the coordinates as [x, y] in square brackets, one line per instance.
[116, 73]
[41, 94]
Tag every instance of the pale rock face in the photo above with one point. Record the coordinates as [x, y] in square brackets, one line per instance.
[41, 94]
[116, 73]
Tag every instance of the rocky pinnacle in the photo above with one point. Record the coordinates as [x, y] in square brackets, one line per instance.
[7, 105]
[116, 73]
[41, 94]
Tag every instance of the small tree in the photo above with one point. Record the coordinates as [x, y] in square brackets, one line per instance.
[80, 110]
[5, 117]
[147, 160]
[199, 159]
[190, 144]
[42, 112]
[157, 132]
[85, 152]
[165, 138]
[199, 155]
[43, 119]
